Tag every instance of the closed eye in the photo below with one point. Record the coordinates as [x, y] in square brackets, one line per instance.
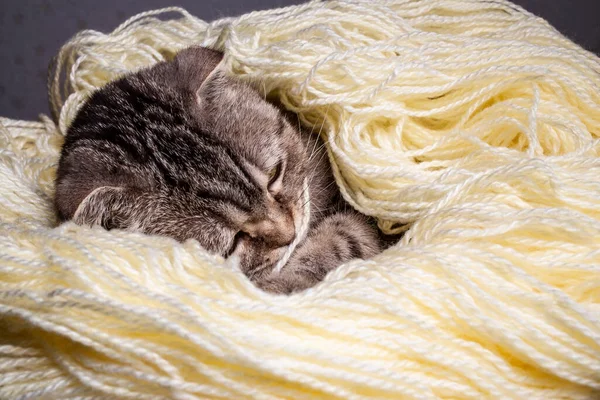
[274, 176]
[274, 173]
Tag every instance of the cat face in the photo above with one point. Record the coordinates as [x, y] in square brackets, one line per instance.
[183, 150]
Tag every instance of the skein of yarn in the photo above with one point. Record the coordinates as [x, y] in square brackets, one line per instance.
[471, 125]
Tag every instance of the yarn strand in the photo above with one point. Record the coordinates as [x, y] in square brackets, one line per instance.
[472, 126]
[301, 229]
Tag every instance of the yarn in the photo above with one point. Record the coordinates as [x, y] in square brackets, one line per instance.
[472, 125]
[301, 228]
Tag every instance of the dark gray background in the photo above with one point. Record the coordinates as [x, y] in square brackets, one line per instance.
[32, 31]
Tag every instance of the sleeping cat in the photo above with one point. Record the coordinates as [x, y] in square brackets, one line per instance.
[185, 151]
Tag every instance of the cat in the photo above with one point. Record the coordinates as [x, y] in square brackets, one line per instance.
[183, 150]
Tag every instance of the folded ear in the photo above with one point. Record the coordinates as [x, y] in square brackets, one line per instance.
[107, 206]
[196, 64]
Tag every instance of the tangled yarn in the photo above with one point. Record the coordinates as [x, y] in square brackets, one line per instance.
[471, 125]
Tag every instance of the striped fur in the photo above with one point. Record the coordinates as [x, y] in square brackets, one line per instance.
[182, 150]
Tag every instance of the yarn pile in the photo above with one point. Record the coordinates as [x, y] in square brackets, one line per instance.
[472, 126]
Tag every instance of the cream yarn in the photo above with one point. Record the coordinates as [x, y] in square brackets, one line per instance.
[473, 122]
[302, 227]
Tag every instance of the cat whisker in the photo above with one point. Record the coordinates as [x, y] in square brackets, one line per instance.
[313, 175]
[318, 149]
[321, 156]
[324, 118]
[310, 179]
[312, 152]
[321, 127]
[302, 192]
[322, 190]
[315, 209]
[315, 151]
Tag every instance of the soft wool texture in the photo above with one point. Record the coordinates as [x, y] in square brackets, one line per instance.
[472, 124]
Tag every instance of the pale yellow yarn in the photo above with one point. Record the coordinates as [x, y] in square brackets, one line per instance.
[472, 122]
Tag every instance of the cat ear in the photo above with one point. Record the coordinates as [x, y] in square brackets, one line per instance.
[104, 206]
[196, 64]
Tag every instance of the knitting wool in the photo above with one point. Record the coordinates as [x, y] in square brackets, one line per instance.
[471, 125]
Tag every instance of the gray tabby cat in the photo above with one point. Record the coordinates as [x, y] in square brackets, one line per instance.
[184, 151]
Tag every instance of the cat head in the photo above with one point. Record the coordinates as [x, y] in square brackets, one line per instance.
[183, 150]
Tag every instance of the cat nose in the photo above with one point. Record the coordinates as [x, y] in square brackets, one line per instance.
[276, 231]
